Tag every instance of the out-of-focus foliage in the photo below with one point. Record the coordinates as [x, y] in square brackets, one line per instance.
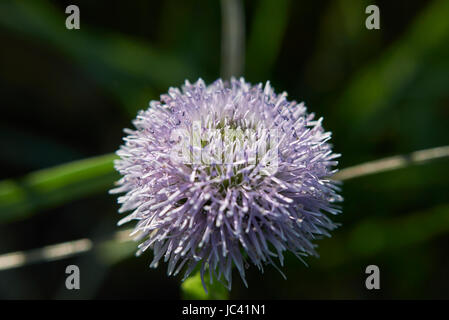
[376, 88]
[67, 95]
[192, 289]
[265, 39]
[125, 67]
[54, 186]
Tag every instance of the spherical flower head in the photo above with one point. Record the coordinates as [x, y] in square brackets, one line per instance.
[221, 175]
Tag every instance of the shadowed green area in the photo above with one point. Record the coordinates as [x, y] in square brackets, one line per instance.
[125, 67]
[393, 234]
[387, 235]
[267, 32]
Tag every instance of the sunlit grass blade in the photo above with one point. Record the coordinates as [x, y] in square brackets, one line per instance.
[109, 251]
[50, 187]
[392, 163]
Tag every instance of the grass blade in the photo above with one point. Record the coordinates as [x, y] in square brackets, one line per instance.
[54, 186]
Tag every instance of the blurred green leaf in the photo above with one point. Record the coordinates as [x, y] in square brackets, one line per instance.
[128, 69]
[267, 30]
[192, 289]
[376, 87]
[53, 186]
[334, 49]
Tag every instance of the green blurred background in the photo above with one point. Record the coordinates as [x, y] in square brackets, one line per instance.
[66, 95]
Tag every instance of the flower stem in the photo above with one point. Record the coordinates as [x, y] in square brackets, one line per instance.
[232, 38]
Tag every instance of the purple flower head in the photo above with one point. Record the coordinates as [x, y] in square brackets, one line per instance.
[227, 174]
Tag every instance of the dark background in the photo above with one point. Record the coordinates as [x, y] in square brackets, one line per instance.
[67, 95]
